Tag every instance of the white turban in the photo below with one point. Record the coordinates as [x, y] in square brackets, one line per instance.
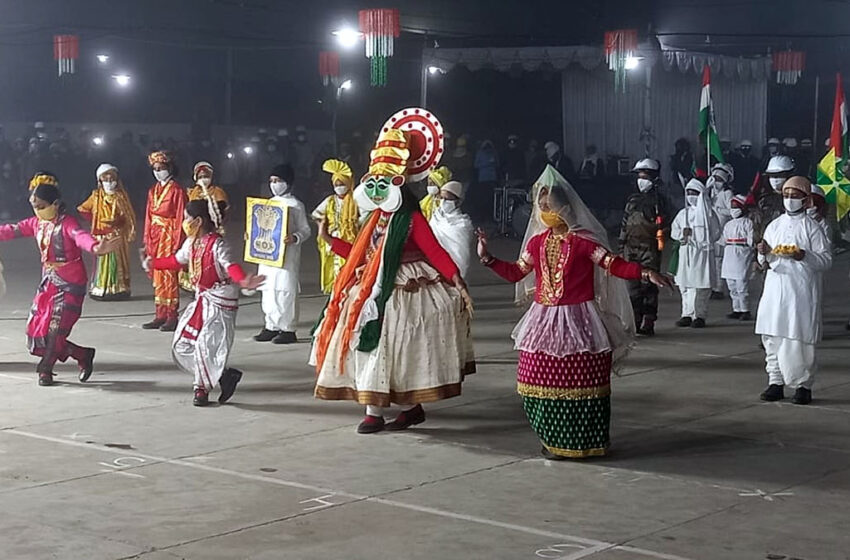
[104, 167]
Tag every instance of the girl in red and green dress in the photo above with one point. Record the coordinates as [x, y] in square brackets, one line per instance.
[579, 324]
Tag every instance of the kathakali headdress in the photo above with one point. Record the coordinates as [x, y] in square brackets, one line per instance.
[409, 146]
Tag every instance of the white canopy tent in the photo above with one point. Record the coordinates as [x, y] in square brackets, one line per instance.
[661, 102]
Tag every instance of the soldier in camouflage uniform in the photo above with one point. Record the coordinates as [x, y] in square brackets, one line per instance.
[645, 214]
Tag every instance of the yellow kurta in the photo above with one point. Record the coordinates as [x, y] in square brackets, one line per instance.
[111, 215]
[341, 224]
[428, 205]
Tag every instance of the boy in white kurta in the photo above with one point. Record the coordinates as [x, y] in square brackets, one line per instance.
[720, 190]
[697, 230]
[789, 316]
[738, 255]
[452, 227]
[280, 291]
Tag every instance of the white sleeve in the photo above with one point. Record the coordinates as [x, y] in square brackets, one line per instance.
[300, 226]
[321, 209]
[748, 227]
[819, 257]
[184, 253]
[677, 227]
[222, 253]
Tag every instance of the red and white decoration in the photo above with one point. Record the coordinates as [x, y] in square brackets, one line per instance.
[380, 28]
[329, 67]
[425, 140]
[620, 45]
[66, 50]
[789, 66]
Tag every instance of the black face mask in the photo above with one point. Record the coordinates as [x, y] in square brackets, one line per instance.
[746, 150]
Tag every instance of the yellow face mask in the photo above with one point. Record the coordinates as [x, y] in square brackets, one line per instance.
[551, 219]
[48, 213]
[191, 227]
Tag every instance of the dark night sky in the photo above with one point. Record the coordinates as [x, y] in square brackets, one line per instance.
[175, 50]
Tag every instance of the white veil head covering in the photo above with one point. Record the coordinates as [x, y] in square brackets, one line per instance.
[611, 293]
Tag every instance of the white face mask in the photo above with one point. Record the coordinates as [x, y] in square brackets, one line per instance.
[644, 184]
[109, 186]
[737, 212]
[340, 190]
[279, 188]
[793, 205]
[162, 175]
[433, 190]
[776, 183]
[204, 182]
[449, 206]
[692, 199]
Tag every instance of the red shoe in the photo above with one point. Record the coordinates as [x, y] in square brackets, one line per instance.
[407, 418]
[202, 398]
[371, 425]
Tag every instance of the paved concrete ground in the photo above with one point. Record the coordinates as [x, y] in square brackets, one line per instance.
[125, 467]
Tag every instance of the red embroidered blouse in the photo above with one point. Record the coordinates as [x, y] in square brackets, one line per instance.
[564, 267]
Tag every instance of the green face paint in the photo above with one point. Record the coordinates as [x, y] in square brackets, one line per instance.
[378, 188]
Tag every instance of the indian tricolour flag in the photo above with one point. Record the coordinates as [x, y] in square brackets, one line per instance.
[707, 130]
[831, 169]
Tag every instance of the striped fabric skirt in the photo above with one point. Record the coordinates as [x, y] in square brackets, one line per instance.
[564, 377]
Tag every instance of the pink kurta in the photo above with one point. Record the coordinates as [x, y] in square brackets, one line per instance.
[59, 300]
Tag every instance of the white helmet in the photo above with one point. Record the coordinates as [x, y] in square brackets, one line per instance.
[773, 140]
[780, 164]
[746, 143]
[647, 164]
[789, 142]
[724, 170]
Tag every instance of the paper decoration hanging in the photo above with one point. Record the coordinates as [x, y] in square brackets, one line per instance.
[620, 45]
[789, 66]
[66, 51]
[380, 28]
[329, 67]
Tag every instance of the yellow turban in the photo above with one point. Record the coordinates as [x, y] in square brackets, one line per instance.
[440, 176]
[339, 170]
[43, 179]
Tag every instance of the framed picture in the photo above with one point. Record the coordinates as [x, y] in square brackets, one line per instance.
[265, 228]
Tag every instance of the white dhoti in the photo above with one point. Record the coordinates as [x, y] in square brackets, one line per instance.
[281, 310]
[789, 362]
[204, 337]
[695, 302]
[739, 290]
[716, 278]
[423, 353]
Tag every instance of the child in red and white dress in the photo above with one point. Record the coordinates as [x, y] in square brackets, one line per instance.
[205, 331]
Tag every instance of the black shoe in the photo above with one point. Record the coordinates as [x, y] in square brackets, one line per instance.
[646, 330]
[155, 324]
[684, 322]
[745, 316]
[87, 367]
[551, 456]
[802, 396]
[202, 398]
[734, 315]
[773, 393]
[45, 379]
[285, 337]
[229, 381]
[169, 326]
[371, 425]
[698, 323]
[716, 295]
[407, 418]
[265, 335]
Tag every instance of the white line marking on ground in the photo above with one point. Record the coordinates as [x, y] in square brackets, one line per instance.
[597, 546]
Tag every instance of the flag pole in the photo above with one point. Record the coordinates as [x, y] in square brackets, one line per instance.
[815, 127]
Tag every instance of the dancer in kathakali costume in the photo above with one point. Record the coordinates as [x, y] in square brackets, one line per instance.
[579, 324]
[111, 215]
[163, 236]
[396, 328]
[343, 218]
[59, 300]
